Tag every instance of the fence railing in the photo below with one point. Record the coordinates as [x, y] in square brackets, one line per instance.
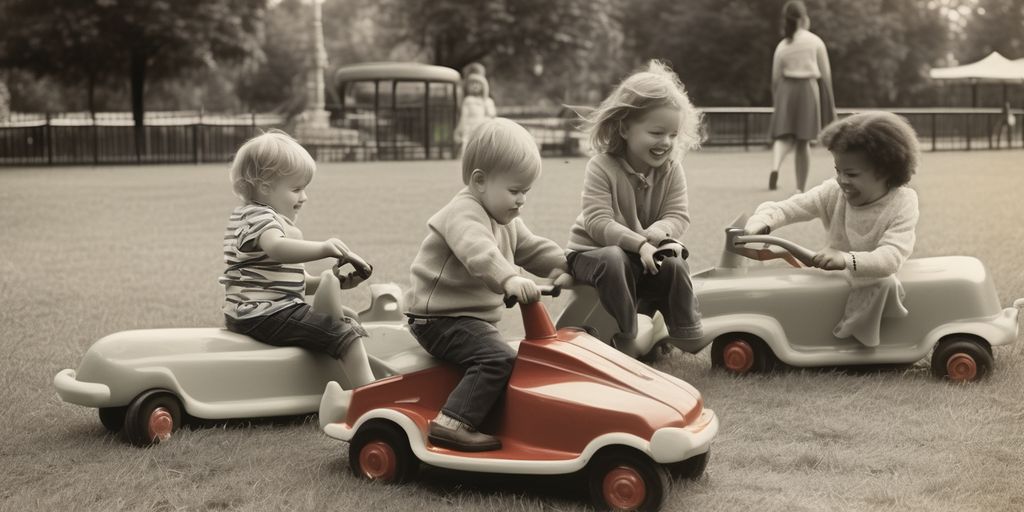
[197, 137]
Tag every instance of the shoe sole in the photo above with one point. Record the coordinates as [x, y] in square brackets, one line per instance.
[773, 180]
[447, 443]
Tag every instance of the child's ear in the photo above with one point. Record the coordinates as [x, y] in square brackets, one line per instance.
[478, 180]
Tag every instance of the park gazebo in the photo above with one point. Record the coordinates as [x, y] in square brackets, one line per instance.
[993, 69]
[402, 110]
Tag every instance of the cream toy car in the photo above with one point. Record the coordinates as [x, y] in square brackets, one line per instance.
[757, 316]
[146, 383]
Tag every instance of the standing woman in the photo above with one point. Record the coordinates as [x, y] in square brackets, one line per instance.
[801, 92]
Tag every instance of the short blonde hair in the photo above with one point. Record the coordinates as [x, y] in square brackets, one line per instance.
[500, 145]
[266, 158]
[652, 87]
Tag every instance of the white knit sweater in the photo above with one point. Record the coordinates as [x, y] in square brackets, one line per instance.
[879, 235]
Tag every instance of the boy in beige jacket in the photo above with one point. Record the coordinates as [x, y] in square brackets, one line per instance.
[465, 266]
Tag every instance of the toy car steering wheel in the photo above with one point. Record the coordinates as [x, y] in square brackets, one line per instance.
[545, 289]
[795, 254]
[360, 266]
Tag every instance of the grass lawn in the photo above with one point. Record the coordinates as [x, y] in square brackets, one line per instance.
[89, 251]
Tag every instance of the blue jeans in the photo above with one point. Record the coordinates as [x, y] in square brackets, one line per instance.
[625, 289]
[476, 346]
[300, 326]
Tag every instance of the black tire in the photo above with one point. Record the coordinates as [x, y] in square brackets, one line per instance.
[690, 469]
[751, 351]
[625, 479]
[380, 451]
[962, 359]
[112, 418]
[152, 418]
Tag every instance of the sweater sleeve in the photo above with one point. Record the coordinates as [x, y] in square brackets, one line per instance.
[798, 208]
[467, 231]
[599, 214]
[675, 213]
[894, 246]
[538, 255]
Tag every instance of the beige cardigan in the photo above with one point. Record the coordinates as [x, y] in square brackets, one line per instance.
[466, 258]
[618, 210]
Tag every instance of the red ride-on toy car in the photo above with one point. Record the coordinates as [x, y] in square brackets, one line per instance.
[572, 404]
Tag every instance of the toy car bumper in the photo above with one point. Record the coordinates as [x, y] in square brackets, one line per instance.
[674, 444]
[73, 391]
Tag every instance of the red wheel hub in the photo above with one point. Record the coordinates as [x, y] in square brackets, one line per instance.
[624, 488]
[738, 356]
[161, 424]
[378, 461]
[961, 367]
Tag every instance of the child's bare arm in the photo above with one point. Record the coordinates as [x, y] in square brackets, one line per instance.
[290, 250]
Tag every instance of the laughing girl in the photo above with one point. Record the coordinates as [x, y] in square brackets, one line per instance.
[635, 205]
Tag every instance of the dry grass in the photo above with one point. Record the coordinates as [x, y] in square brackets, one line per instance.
[89, 251]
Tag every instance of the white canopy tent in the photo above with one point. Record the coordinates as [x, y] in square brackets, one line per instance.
[992, 69]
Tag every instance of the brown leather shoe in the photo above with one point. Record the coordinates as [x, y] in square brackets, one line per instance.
[463, 438]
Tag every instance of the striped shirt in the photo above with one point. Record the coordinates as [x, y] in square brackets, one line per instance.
[254, 284]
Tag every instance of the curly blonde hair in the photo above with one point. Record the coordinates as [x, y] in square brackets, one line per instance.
[652, 87]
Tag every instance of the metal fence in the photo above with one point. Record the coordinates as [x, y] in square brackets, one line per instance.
[109, 138]
[937, 128]
[195, 137]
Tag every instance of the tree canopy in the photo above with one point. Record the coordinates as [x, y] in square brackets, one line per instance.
[253, 54]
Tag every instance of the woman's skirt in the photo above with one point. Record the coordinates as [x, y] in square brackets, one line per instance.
[797, 109]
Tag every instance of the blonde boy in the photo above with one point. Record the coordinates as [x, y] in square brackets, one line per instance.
[466, 264]
[265, 280]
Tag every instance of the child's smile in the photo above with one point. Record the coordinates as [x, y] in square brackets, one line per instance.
[286, 195]
[859, 181]
[651, 138]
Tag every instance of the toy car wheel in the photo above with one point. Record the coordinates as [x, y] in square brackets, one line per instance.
[112, 418]
[962, 359]
[741, 353]
[624, 479]
[152, 417]
[691, 468]
[380, 451]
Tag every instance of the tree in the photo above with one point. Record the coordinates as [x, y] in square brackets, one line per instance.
[722, 49]
[59, 39]
[517, 38]
[995, 25]
[137, 39]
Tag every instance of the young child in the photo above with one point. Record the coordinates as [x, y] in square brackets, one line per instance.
[465, 266]
[869, 214]
[477, 107]
[265, 281]
[635, 204]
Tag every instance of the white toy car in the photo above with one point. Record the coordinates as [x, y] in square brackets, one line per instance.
[755, 316]
[148, 382]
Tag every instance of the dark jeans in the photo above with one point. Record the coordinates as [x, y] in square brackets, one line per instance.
[623, 286]
[300, 326]
[476, 346]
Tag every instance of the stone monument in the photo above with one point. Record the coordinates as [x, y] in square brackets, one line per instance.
[313, 127]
